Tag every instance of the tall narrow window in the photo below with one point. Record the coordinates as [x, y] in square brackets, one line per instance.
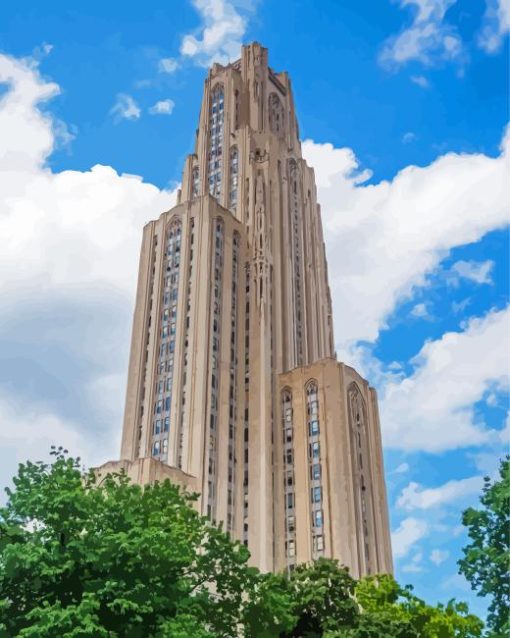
[276, 120]
[217, 269]
[314, 452]
[195, 182]
[215, 157]
[288, 481]
[234, 177]
[167, 335]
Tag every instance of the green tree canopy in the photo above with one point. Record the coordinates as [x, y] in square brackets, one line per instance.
[83, 560]
[80, 560]
[486, 561]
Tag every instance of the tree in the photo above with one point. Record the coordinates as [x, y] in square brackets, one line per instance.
[80, 559]
[486, 561]
[86, 560]
[329, 603]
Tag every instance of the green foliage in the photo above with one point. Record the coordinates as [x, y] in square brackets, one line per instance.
[82, 560]
[486, 561]
[79, 559]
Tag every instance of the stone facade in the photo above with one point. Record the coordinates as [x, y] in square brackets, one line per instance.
[233, 317]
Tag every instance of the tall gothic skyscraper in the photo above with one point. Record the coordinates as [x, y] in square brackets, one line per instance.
[233, 388]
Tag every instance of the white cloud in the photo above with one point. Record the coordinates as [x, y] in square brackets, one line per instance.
[420, 311]
[220, 37]
[29, 431]
[402, 468]
[79, 234]
[477, 271]
[383, 239]
[415, 566]
[162, 107]
[428, 39]
[125, 108]
[414, 496]
[496, 24]
[420, 80]
[432, 409]
[438, 556]
[168, 65]
[409, 532]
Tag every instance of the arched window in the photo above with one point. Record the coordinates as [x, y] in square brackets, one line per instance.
[215, 157]
[276, 117]
[234, 177]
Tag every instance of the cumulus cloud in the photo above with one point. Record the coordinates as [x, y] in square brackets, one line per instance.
[408, 533]
[427, 39]
[125, 108]
[64, 319]
[162, 107]
[476, 271]
[383, 239]
[220, 37]
[433, 408]
[495, 26]
[414, 496]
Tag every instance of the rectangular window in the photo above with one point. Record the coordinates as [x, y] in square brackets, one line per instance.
[315, 472]
[314, 427]
[316, 494]
[156, 448]
[314, 450]
[167, 424]
[290, 501]
[157, 426]
[317, 518]
[165, 446]
[318, 543]
[291, 524]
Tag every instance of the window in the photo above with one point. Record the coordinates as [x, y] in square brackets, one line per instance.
[315, 472]
[195, 182]
[314, 427]
[316, 494]
[275, 114]
[156, 448]
[317, 518]
[314, 450]
[234, 177]
[318, 543]
[216, 116]
[166, 424]
[290, 501]
[157, 426]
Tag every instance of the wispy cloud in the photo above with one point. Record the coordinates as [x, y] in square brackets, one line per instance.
[162, 107]
[409, 137]
[125, 108]
[477, 271]
[168, 65]
[414, 496]
[495, 26]
[408, 533]
[438, 556]
[427, 39]
[420, 80]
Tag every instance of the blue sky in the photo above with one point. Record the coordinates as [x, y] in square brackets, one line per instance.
[403, 109]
